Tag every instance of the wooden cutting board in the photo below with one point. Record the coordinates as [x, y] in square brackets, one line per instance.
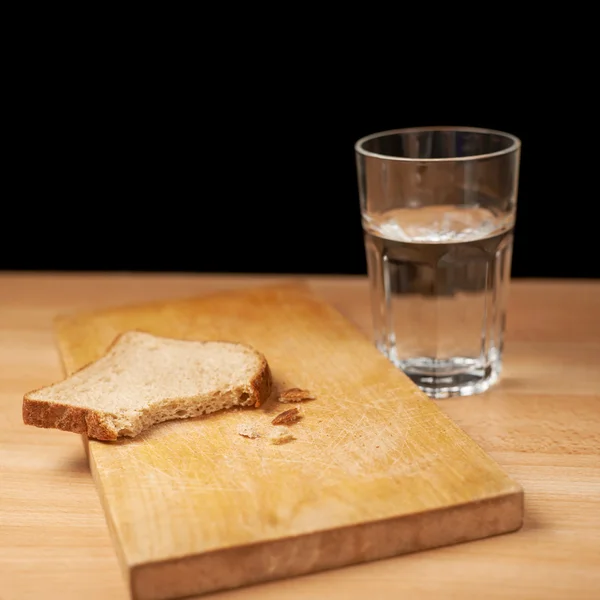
[376, 469]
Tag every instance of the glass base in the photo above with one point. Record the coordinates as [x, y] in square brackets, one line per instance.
[456, 376]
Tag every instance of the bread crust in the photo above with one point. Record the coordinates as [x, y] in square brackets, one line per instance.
[84, 420]
[262, 382]
[78, 419]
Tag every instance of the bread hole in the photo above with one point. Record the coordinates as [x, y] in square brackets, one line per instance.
[244, 397]
[181, 413]
[124, 432]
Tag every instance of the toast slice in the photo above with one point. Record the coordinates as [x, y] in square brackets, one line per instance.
[144, 379]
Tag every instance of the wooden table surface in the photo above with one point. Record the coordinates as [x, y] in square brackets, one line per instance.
[541, 423]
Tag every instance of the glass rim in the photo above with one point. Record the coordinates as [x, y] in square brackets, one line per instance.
[515, 146]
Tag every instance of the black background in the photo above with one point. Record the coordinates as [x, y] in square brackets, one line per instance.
[261, 179]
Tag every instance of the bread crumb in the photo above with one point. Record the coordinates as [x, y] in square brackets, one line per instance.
[280, 435]
[287, 417]
[295, 395]
[247, 431]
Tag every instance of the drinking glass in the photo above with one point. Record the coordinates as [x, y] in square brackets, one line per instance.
[438, 208]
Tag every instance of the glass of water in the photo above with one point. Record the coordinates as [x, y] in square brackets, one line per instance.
[438, 209]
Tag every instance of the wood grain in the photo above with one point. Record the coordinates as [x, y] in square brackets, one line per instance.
[376, 469]
[542, 423]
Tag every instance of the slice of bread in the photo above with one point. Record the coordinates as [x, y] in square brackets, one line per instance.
[144, 379]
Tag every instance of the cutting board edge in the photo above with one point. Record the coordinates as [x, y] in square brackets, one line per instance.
[300, 283]
[405, 534]
[112, 529]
